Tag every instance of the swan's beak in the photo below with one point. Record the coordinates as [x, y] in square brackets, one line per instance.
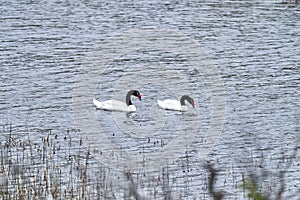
[140, 97]
[193, 104]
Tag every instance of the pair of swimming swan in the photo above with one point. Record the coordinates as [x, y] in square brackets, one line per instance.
[168, 104]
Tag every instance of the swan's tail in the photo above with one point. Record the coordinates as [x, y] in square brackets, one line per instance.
[160, 103]
[97, 103]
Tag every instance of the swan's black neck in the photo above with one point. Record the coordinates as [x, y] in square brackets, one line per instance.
[128, 97]
[183, 98]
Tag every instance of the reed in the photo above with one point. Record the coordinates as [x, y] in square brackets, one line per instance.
[58, 166]
[36, 169]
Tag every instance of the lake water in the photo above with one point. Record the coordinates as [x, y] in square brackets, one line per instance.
[50, 50]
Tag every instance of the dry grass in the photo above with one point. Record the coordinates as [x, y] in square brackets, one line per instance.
[56, 166]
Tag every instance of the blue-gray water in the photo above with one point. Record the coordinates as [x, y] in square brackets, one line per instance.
[254, 44]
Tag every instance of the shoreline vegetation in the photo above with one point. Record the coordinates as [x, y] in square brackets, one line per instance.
[52, 168]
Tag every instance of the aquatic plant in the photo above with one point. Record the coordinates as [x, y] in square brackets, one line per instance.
[253, 191]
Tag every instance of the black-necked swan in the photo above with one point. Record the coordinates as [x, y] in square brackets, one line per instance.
[115, 105]
[172, 104]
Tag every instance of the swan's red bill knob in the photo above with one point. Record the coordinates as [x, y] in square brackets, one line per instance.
[193, 104]
[139, 96]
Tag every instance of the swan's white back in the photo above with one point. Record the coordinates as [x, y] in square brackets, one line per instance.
[171, 104]
[112, 105]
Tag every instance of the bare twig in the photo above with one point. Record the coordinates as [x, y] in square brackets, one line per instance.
[213, 173]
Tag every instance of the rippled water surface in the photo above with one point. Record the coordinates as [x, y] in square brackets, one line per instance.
[46, 45]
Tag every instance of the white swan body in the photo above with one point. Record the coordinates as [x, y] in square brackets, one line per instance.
[115, 105]
[172, 104]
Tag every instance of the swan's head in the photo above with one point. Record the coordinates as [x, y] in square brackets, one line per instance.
[188, 99]
[137, 94]
[191, 101]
